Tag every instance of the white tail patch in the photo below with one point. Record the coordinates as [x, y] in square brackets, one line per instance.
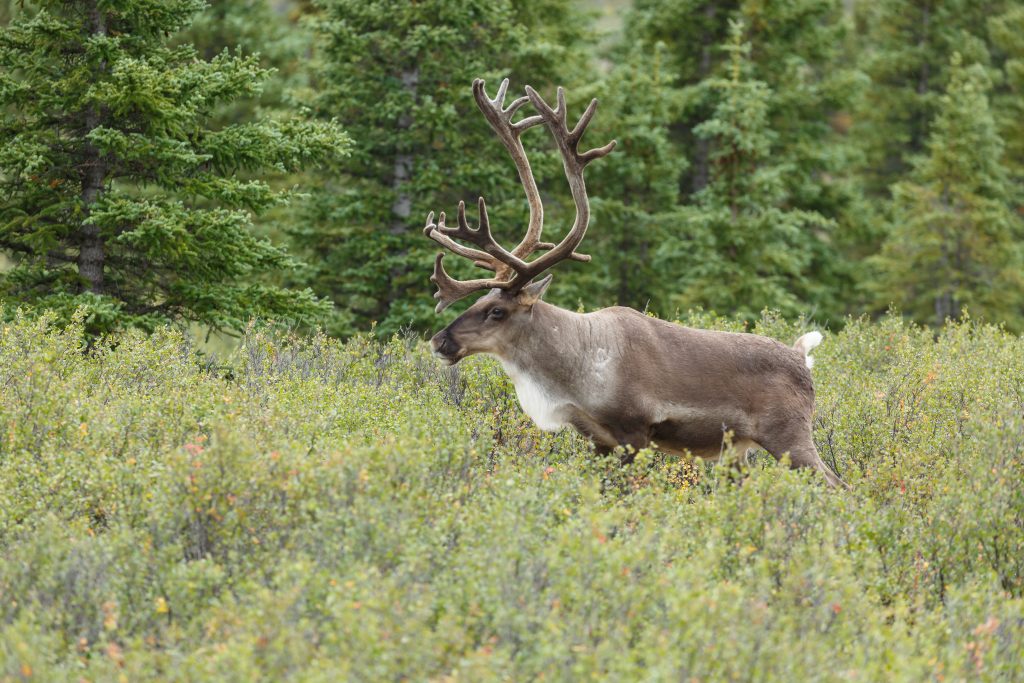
[806, 344]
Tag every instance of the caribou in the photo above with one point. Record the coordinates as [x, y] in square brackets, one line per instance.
[617, 376]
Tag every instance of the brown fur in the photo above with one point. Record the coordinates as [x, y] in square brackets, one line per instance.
[622, 378]
[615, 375]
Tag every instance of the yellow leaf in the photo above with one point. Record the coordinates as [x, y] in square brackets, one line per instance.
[161, 606]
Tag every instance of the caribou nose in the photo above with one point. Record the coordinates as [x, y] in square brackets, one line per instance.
[437, 341]
[443, 346]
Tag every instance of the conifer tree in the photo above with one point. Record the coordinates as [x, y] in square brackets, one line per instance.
[274, 30]
[740, 247]
[115, 195]
[1007, 34]
[398, 75]
[636, 194]
[906, 45]
[798, 53]
[956, 241]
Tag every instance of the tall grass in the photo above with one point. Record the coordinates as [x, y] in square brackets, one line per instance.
[310, 510]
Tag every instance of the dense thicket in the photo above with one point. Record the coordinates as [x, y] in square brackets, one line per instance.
[795, 138]
[956, 241]
[799, 155]
[307, 510]
[746, 245]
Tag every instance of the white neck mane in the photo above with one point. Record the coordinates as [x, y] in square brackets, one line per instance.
[544, 404]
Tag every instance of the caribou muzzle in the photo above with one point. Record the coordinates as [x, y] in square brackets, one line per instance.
[446, 348]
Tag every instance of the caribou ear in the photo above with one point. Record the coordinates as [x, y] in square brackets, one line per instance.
[533, 292]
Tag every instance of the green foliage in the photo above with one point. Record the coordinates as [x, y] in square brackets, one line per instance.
[398, 75]
[310, 510]
[115, 195]
[797, 54]
[275, 32]
[906, 48]
[635, 191]
[1007, 34]
[739, 247]
[956, 242]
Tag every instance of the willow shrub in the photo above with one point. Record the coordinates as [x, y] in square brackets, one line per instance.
[311, 510]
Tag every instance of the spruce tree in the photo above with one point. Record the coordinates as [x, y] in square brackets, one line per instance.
[398, 75]
[741, 247]
[798, 52]
[116, 195]
[906, 45]
[1007, 34]
[957, 241]
[275, 31]
[635, 195]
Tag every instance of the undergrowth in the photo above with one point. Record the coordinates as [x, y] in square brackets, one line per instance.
[311, 510]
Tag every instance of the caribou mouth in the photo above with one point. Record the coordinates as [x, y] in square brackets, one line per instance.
[444, 349]
[444, 359]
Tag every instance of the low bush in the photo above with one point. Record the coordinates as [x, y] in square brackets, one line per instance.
[311, 510]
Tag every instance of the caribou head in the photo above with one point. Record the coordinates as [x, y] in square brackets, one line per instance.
[502, 317]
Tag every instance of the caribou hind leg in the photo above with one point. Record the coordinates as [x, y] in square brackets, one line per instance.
[802, 453]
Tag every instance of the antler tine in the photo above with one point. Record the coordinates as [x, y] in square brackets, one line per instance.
[568, 140]
[493, 257]
[500, 120]
[577, 131]
[548, 114]
[574, 256]
[597, 152]
[511, 270]
[482, 237]
[438, 233]
[450, 290]
[574, 164]
[499, 98]
[560, 109]
[497, 106]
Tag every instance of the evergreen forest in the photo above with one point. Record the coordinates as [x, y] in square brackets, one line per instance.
[209, 163]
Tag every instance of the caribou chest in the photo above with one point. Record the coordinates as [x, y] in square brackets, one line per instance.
[545, 406]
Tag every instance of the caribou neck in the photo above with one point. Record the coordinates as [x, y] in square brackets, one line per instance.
[557, 348]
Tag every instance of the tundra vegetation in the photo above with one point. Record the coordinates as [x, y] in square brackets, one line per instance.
[307, 509]
[338, 506]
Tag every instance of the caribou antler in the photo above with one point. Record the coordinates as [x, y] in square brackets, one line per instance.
[511, 270]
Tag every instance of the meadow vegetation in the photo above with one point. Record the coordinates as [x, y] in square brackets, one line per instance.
[316, 510]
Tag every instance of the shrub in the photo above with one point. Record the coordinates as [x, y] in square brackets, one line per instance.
[311, 510]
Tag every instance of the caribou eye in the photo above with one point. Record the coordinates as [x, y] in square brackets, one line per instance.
[496, 313]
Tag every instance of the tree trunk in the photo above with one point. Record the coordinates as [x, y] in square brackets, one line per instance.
[402, 206]
[699, 178]
[91, 252]
[919, 134]
[943, 308]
